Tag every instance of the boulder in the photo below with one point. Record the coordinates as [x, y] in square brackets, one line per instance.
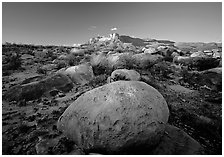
[58, 81]
[150, 50]
[62, 57]
[175, 54]
[129, 46]
[116, 118]
[198, 63]
[198, 54]
[112, 59]
[80, 74]
[27, 59]
[145, 60]
[76, 45]
[217, 55]
[26, 56]
[180, 89]
[204, 63]
[77, 52]
[168, 52]
[60, 64]
[30, 91]
[125, 74]
[177, 142]
[161, 48]
[35, 90]
[120, 61]
[32, 78]
[49, 67]
[212, 78]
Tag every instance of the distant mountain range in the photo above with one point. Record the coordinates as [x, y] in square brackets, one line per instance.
[142, 42]
[198, 46]
[185, 46]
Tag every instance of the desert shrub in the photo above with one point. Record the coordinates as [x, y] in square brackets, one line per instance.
[99, 80]
[125, 61]
[86, 59]
[161, 69]
[100, 64]
[61, 64]
[90, 49]
[119, 49]
[40, 70]
[51, 55]
[73, 60]
[14, 61]
[6, 72]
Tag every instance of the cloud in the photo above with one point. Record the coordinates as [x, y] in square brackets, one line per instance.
[113, 29]
[92, 28]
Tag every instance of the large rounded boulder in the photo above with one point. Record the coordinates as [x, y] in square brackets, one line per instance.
[116, 118]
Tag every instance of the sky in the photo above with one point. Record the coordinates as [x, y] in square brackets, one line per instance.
[68, 23]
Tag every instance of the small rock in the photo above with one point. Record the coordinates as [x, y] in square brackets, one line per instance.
[181, 89]
[125, 74]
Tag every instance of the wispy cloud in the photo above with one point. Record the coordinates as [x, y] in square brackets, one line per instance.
[92, 28]
[113, 29]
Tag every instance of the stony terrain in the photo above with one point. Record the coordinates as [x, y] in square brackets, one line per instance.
[40, 82]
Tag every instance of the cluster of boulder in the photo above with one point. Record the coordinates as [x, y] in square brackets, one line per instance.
[126, 115]
[63, 81]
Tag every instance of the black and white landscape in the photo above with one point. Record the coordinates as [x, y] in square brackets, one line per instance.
[113, 93]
